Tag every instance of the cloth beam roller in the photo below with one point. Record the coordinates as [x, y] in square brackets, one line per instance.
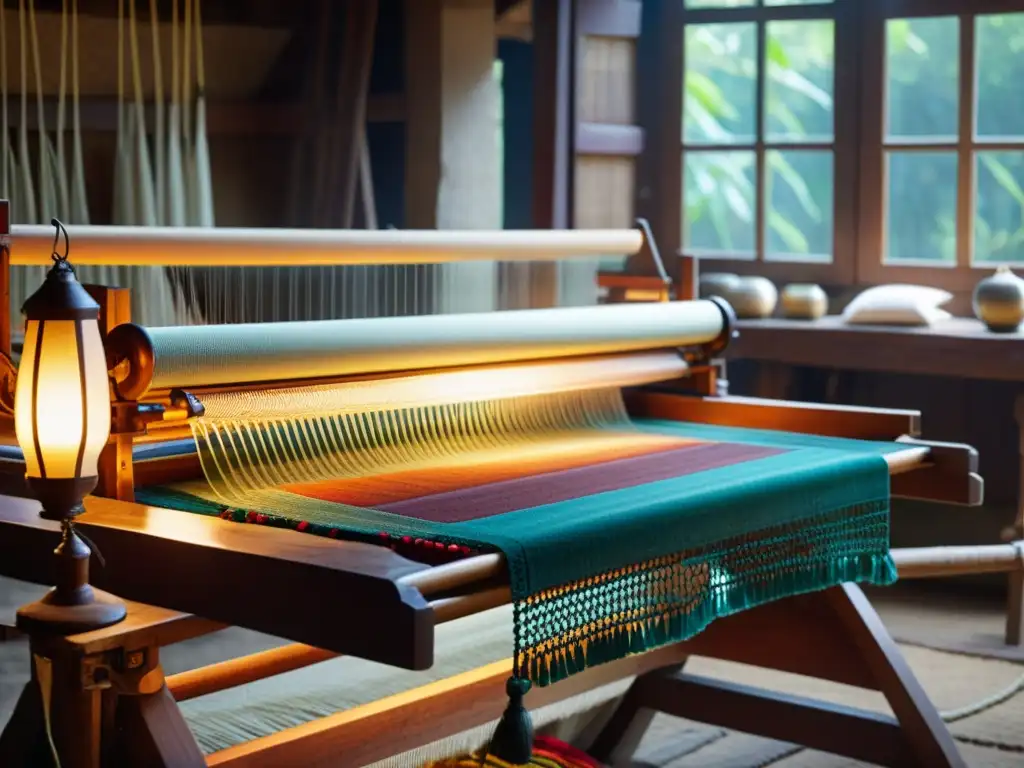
[189, 357]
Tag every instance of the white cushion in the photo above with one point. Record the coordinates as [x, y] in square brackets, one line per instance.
[898, 305]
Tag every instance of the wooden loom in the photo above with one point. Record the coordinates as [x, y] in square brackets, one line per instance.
[112, 702]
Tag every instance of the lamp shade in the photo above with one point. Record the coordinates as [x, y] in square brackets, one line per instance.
[62, 396]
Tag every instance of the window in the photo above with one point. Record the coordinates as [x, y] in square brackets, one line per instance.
[841, 141]
[759, 135]
[943, 153]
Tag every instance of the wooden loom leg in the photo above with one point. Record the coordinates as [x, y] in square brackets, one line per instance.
[153, 732]
[1015, 597]
[923, 728]
[916, 736]
[623, 732]
[75, 712]
[25, 733]
[115, 462]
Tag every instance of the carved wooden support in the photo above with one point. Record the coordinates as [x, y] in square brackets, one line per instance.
[1015, 597]
[116, 480]
[951, 478]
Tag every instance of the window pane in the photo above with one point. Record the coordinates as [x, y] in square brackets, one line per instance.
[720, 77]
[998, 206]
[922, 76]
[921, 207]
[798, 191]
[1000, 104]
[718, 195]
[718, 3]
[799, 80]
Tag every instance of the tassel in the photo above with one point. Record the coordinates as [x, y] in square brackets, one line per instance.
[513, 738]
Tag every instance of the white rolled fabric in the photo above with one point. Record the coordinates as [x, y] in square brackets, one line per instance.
[219, 355]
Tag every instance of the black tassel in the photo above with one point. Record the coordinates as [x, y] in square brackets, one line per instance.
[513, 738]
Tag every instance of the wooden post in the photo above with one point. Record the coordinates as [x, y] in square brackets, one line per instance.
[1015, 598]
[5, 278]
[116, 479]
[453, 164]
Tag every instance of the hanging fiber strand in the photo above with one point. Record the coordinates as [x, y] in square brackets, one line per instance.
[6, 152]
[245, 458]
[203, 182]
[24, 281]
[186, 109]
[159, 119]
[176, 202]
[47, 187]
[124, 212]
[152, 284]
[142, 169]
[28, 189]
[79, 198]
[70, 197]
[134, 197]
[10, 177]
[63, 192]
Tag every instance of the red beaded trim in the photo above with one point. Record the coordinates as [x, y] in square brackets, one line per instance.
[414, 548]
[419, 548]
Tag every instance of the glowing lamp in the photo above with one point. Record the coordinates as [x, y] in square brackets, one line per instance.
[62, 420]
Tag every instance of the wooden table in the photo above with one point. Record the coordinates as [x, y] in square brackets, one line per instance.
[955, 348]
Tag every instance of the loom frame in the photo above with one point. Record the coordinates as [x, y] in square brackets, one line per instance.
[114, 701]
[123, 532]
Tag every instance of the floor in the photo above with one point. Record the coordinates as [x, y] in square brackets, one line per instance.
[953, 644]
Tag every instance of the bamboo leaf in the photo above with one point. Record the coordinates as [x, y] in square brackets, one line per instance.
[788, 233]
[1003, 176]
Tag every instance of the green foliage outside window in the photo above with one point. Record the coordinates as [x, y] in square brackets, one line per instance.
[921, 132]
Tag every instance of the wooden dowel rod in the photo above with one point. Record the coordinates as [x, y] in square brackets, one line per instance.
[458, 573]
[245, 669]
[933, 562]
[451, 608]
[32, 245]
[276, 661]
[907, 459]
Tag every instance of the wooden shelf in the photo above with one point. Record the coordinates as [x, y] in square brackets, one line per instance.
[960, 347]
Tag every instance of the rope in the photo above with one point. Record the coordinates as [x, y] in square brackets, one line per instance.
[962, 713]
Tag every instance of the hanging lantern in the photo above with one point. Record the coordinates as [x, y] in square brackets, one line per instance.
[62, 421]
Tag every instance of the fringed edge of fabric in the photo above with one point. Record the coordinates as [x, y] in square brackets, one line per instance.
[563, 631]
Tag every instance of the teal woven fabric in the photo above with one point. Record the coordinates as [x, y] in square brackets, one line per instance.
[596, 576]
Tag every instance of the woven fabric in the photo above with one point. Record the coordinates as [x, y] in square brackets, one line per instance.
[662, 528]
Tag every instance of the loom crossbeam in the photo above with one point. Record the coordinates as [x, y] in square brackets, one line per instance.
[203, 561]
[234, 247]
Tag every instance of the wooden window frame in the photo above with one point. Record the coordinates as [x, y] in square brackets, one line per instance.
[962, 276]
[664, 180]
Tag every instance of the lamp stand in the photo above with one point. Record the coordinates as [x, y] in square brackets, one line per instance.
[72, 606]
